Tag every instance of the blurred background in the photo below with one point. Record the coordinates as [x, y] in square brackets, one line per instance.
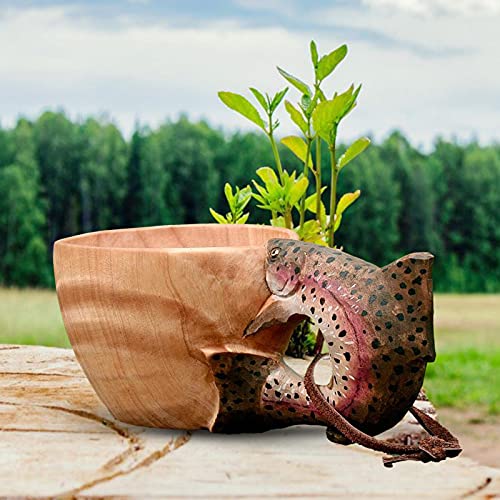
[110, 118]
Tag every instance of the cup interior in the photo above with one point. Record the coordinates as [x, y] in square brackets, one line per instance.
[182, 237]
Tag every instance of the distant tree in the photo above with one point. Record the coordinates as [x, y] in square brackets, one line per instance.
[23, 251]
[146, 202]
[372, 232]
[59, 156]
[102, 175]
[189, 155]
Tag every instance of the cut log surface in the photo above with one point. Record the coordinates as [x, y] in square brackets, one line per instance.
[57, 439]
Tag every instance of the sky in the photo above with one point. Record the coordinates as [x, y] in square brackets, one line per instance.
[428, 67]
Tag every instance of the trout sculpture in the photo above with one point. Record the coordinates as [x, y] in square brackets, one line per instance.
[378, 329]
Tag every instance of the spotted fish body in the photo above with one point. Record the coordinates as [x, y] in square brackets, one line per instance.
[377, 327]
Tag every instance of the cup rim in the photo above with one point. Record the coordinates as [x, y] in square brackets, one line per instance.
[75, 240]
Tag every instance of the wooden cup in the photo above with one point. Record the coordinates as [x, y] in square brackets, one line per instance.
[144, 308]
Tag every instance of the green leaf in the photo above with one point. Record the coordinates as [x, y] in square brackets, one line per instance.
[228, 191]
[244, 196]
[268, 175]
[311, 232]
[298, 84]
[296, 117]
[314, 53]
[355, 149]
[298, 147]
[297, 190]
[346, 200]
[243, 106]
[328, 114]
[218, 217]
[311, 206]
[278, 98]
[243, 219]
[329, 62]
[262, 100]
[279, 222]
[324, 119]
[305, 103]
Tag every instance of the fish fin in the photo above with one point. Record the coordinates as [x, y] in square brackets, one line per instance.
[414, 274]
[274, 311]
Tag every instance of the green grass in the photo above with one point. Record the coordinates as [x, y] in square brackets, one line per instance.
[466, 373]
[31, 317]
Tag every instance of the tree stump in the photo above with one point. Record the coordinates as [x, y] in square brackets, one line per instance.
[57, 439]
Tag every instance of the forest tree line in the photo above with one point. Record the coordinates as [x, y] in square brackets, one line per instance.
[60, 177]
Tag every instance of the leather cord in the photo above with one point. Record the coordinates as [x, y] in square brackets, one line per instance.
[438, 446]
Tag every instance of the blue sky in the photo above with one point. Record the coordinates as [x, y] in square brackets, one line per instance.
[428, 67]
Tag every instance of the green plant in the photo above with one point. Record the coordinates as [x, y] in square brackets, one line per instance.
[237, 202]
[318, 118]
[284, 194]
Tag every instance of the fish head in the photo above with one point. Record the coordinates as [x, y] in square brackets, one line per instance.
[284, 266]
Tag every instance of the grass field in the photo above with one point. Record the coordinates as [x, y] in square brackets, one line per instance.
[466, 373]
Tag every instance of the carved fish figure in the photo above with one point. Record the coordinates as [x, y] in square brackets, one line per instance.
[378, 329]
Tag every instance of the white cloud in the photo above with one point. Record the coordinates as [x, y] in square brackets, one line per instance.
[148, 72]
[433, 7]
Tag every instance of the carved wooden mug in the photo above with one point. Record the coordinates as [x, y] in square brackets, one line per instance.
[185, 327]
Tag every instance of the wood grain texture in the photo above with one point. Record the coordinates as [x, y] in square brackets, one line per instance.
[144, 308]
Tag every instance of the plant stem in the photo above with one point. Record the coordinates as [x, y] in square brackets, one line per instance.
[318, 178]
[333, 195]
[306, 175]
[288, 219]
[274, 148]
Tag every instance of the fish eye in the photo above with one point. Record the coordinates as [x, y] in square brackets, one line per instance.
[274, 252]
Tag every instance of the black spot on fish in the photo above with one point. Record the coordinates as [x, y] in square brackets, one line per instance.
[399, 369]
[411, 291]
[399, 350]
[398, 296]
[342, 333]
[330, 260]
[347, 356]
[343, 274]
[372, 299]
[376, 343]
[400, 316]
